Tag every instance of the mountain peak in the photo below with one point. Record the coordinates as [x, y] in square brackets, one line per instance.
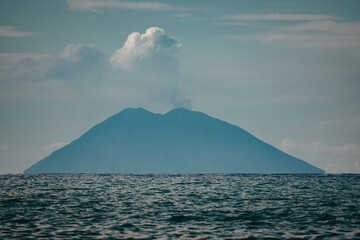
[132, 110]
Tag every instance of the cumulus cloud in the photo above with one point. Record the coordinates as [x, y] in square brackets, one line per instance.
[146, 66]
[8, 60]
[318, 148]
[151, 58]
[152, 52]
[75, 60]
[53, 77]
[81, 52]
[151, 49]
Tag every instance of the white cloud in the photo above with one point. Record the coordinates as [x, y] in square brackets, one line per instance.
[318, 34]
[318, 148]
[277, 17]
[80, 59]
[345, 122]
[9, 31]
[96, 5]
[352, 28]
[143, 72]
[8, 60]
[26, 76]
[309, 31]
[310, 35]
[76, 53]
[343, 167]
[302, 40]
[151, 48]
[151, 59]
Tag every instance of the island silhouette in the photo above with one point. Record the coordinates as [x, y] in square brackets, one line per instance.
[180, 141]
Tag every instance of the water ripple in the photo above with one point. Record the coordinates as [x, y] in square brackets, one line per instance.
[199, 206]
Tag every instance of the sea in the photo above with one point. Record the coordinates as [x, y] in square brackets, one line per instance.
[185, 206]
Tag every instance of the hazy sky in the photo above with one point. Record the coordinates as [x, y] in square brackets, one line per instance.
[286, 71]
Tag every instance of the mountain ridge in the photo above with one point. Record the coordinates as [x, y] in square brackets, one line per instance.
[136, 140]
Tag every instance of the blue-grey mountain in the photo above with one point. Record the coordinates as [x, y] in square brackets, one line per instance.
[180, 141]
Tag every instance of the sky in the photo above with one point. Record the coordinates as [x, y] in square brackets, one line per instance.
[286, 71]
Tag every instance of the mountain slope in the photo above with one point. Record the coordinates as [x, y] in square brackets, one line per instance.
[181, 141]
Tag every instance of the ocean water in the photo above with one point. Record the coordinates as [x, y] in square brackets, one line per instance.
[160, 206]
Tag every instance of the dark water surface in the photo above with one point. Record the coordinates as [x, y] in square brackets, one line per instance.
[180, 206]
